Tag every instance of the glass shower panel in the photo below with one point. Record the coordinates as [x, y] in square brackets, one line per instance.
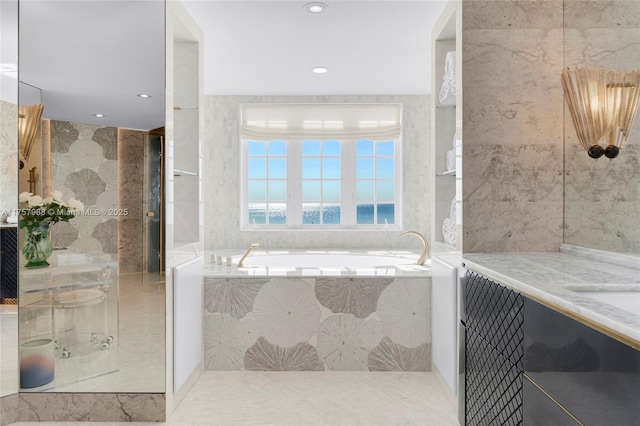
[153, 229]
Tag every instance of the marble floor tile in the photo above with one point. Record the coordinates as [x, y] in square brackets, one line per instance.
[140, 361]
[8, 349]
[238, 398]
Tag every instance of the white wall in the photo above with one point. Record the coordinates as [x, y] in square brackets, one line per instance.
[221, 178]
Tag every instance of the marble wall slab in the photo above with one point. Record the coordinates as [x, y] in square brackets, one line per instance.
[9, 157]
[512, 125]
[87, 407]
[84, 166]
[602, 197]
[221, 177]
[9, 409]
[130, 199]
[317, 324]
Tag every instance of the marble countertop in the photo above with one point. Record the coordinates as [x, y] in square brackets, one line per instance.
[409, 269]
[559, 281]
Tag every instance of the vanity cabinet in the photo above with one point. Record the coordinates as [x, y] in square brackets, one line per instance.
[540, 409]
[8, 265]
[525, 363]
[492, 318]
[593, 376]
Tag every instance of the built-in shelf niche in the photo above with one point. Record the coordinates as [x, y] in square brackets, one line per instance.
[177, 172]
[445, 118]
[186, 136]
[451, 173]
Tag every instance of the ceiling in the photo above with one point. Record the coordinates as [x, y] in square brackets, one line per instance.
[269, 47]
[95, 56]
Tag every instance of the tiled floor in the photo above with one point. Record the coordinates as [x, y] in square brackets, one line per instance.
[141, 341]
[8, 349]
[240, 398]
[141, 344]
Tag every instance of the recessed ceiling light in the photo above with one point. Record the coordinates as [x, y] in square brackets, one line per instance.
[315, 8]
[99, 115]
[143, 95]
[319, 70]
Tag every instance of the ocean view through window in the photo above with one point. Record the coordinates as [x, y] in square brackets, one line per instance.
[344, 180]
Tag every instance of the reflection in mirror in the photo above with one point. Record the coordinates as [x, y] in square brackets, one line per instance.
[8, 197]
[30, 138]
[91, 321]
[602, 197]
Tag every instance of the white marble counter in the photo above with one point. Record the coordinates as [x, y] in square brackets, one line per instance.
[407, 269]
[560, 280]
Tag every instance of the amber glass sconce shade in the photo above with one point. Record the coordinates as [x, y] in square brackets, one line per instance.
[603, 105]
[28, 125]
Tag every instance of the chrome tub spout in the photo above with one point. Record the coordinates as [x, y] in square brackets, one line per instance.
[425, 246]
[246, 253]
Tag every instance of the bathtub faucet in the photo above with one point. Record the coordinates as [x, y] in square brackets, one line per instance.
[425, 246]
[246, 253]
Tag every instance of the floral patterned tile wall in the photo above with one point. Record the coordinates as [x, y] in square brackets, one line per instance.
[314, 324]
[84, 166]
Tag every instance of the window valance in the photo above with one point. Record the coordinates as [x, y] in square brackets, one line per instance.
[265, 122]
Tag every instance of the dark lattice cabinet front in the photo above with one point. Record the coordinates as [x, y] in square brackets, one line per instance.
[493, 318]
[8, 265]
[525, 363]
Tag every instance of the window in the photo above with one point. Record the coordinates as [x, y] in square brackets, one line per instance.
[321, 182]
[375, 182]
[267, 182]
[297, 181]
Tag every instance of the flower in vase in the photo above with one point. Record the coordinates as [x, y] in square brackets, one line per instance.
[36, 218]
[24, 196]
[46, 211]
[56, 195]
[35, 201]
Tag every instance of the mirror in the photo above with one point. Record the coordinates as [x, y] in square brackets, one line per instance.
[93, 312]
[602, 197]
[8, 195]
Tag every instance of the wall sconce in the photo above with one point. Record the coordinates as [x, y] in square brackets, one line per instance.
[29, 118]
[603, 105]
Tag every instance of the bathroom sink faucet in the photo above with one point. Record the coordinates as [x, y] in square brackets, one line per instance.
[425, 246]
[246, 253]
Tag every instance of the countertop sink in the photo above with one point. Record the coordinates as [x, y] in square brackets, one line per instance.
[629, 300]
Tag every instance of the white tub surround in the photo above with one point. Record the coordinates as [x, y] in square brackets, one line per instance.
[321, 262]
[347, 310]
[563, 281]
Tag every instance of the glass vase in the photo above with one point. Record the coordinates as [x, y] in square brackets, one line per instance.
[37, 246]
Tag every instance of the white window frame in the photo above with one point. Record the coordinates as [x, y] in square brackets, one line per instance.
[348, 216]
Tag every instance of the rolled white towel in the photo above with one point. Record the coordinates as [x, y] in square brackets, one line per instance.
[449, 231]
[450, 65]
[446, 96]
[452, 210]
[452, 84]
[444, 91]
[450, 160]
